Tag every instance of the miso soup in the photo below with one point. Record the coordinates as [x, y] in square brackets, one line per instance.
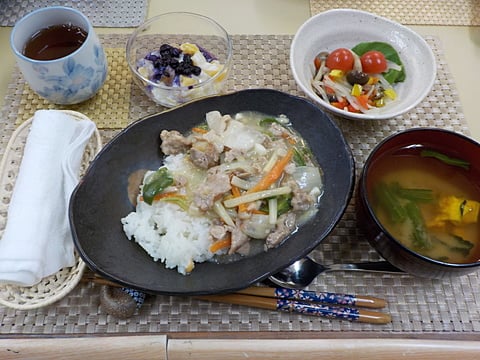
[426, 200]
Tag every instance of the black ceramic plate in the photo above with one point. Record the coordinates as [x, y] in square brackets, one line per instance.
[101, 198]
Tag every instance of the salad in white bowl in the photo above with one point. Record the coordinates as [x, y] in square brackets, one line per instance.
[358, 80]
[406, 53]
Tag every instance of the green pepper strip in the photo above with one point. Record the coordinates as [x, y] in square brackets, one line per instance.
[155, 184]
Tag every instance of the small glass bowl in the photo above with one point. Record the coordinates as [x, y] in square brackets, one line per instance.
[175, 29]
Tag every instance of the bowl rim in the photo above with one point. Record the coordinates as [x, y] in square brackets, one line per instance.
[146, 24]
[361, 116]
[362, 185]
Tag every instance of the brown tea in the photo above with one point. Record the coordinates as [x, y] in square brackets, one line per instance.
[54, 42]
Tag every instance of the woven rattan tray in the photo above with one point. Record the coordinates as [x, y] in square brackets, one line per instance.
[412, 12]
[445, 309]
[58, 285]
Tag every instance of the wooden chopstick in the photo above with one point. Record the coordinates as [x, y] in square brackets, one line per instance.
[266, 298]
[332, 312]
[317, 297]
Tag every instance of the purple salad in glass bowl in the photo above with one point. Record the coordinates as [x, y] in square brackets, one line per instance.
[179, 57]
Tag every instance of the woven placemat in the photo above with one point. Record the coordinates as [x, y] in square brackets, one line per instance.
[411, 12]
[109, 107]
[418, 306]
[107, 13]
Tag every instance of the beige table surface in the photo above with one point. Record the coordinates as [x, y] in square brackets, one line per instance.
[462, 51]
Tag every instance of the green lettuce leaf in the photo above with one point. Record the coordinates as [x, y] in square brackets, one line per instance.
[392, 75]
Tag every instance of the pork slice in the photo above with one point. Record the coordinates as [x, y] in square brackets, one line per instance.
[214, 186]
[204, 154]
[285, 226]
[173, 142]
[239, 239]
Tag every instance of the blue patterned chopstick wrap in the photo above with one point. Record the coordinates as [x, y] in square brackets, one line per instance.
[137, 296]
[332, 312]
[319, 297]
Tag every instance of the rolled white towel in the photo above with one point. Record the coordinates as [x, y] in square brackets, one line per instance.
[37, 241]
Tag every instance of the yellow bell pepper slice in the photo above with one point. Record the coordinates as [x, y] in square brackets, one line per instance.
[356, 90]
[336, 74]
[390, 93]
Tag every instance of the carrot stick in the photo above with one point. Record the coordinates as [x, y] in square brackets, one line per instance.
[221, 244]
[166, 195]
[236, 193]
[273, 175]
[287, 137]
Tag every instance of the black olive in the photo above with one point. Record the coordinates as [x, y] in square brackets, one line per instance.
[332, 98]
[357, 77]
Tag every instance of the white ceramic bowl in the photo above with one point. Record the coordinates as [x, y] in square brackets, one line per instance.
[338, 28]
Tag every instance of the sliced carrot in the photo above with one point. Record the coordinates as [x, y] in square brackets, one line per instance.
[363, 100]
[273, 175]
[221, 244]
[199, 130]
[289, 138]
[342, 104]
[352, 109]
[236, 193]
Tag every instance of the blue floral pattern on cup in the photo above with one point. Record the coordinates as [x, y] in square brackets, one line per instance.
[67, 80]
[78, 83]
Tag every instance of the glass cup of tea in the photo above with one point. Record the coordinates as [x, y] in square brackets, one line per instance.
[59, 54]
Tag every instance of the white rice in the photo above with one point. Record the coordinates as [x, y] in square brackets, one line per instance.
[169, 234]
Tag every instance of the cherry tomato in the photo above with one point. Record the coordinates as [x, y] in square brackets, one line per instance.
[373, 62]
[340, 59]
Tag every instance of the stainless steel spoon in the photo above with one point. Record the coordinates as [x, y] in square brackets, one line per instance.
[302, 272]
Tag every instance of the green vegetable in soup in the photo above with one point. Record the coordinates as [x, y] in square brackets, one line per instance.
[459, 245]
[392, 196]
[390, 202]
[421, 240]
[462, 246]
[401, 204]
[445, 158]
